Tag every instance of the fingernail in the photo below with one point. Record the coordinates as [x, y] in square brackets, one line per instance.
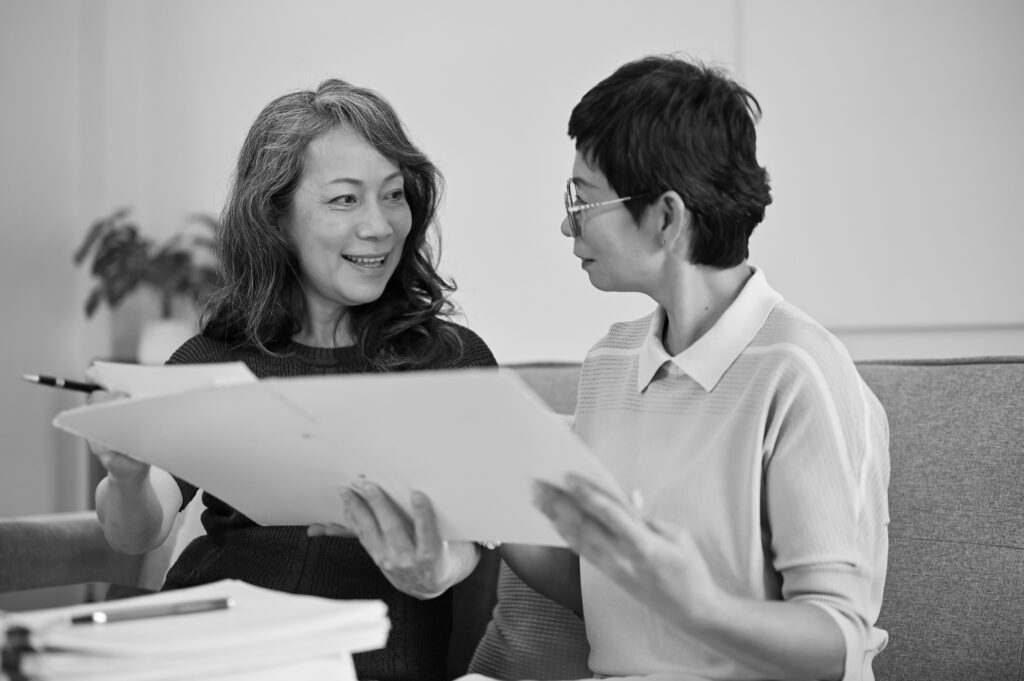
[419, 499]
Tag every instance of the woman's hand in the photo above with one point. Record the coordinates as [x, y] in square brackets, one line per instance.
[135, 503]
[121, 469]
[663, 568]
[657, 565]
[409, 551]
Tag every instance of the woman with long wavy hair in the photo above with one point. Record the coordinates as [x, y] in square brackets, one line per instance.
[328, 269]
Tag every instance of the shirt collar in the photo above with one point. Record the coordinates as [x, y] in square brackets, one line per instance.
[707, 360]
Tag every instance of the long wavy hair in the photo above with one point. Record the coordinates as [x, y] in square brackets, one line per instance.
[261, 303]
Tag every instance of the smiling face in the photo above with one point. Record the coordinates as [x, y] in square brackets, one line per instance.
[348, 219]
[616, 253]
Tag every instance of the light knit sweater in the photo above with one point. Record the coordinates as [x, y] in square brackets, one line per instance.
[764, 442]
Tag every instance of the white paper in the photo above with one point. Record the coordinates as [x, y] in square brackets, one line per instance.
[259, 618]
[265, 634]
[139, 380]
[280, 450]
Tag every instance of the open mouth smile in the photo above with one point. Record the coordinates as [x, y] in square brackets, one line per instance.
[366, 261]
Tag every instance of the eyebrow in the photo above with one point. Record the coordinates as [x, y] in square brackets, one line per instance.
[358, 182]
[581, 182]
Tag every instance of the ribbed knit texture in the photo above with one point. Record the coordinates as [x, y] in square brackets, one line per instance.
[530, 637]
[285, 559]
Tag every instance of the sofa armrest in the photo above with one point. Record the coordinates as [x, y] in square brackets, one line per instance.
[58, 549]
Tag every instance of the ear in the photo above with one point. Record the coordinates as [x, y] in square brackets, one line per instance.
[672, 220]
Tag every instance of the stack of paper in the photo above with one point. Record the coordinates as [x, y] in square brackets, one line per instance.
[281, 450]
[263, 634]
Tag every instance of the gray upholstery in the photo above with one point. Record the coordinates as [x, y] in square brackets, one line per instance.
[954, 598]
[59, 549]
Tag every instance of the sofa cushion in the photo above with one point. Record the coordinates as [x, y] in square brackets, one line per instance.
[954, 597]
[59, 549]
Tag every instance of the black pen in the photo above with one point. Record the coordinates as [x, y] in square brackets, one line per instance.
[147, 611]
[64, 383]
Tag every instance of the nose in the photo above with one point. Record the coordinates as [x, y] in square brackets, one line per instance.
[375, 224]
[566, 231]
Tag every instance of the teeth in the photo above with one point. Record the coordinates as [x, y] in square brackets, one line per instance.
[368, 262]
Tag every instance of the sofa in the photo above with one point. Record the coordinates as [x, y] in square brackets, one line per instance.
[954, 595]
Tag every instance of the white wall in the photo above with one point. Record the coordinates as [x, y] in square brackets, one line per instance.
[40, 302]
[890, 132]
[486, 89]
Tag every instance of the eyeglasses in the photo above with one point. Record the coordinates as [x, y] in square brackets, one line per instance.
[573, 206]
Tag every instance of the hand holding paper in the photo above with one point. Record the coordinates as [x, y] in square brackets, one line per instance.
[410, 554]
[120, 468]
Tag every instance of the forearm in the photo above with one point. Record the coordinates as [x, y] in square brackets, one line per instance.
[137, 515]
[551, 572]
[778, 639]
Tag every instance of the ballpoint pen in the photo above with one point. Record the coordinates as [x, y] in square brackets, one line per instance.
[64, 383]
[116, 614]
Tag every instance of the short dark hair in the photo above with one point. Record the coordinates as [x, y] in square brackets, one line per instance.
[663, 123]
[261, 303]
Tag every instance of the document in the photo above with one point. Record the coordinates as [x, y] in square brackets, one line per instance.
[262, 629]
[281, 450]
[138, 380]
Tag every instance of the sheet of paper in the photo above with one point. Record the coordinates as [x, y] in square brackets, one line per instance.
[282, 661]
[259, 617]
[265, 634]
[242, 443]
[280, 450]
[472, 441]
[138, 380]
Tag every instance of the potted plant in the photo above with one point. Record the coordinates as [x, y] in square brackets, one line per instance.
[123, 261]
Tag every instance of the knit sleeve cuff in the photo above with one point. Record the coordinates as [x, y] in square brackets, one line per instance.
[861, 646]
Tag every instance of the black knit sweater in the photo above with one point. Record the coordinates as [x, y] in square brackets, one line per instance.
[285, 559]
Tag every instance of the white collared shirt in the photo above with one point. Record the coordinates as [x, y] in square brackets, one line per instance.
[763, 441]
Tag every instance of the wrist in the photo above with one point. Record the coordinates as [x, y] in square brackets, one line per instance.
[130, 485]
[463, 557]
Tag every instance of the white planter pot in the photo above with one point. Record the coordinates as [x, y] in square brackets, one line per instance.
[161, 337]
